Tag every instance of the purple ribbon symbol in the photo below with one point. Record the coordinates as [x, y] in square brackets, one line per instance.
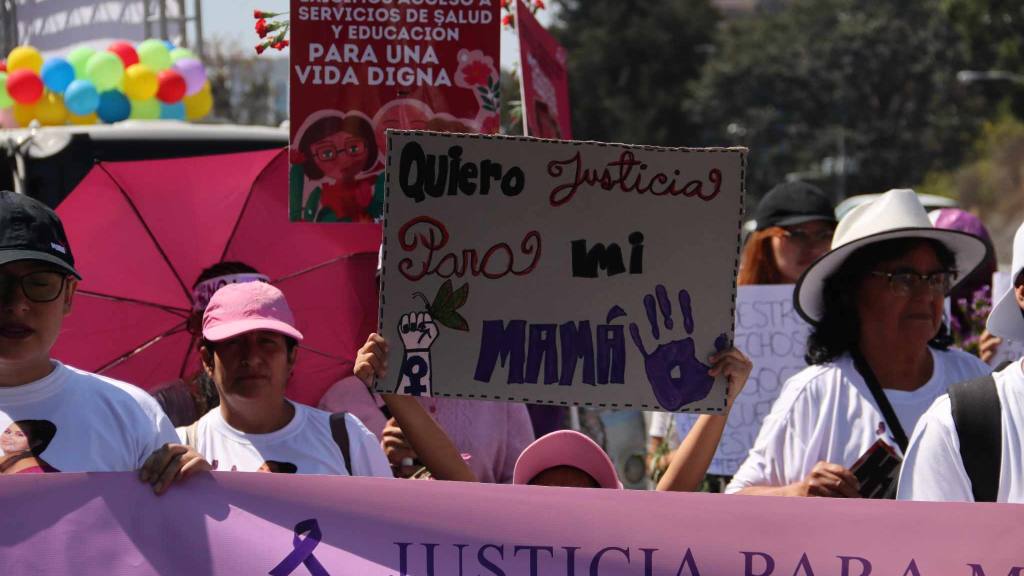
[303, 552]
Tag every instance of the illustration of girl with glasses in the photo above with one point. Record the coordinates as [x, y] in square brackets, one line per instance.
[22, 443]
[338, 151]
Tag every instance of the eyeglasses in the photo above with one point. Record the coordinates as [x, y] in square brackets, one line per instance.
[42, 286]
[329, 153]
[808, 238]
[904, 283]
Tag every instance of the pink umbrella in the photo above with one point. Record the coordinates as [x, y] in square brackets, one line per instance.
[143, 231]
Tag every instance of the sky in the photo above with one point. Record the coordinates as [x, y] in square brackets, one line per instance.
[232, 21]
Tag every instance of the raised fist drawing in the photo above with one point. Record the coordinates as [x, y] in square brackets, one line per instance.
[673, 371]
[418, 331]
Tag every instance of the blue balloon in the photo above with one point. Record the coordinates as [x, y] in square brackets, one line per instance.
[170, 45]
[81, 97]
[174, 111]
[114, 106]
[57, 73]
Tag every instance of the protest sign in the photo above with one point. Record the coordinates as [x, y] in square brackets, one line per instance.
[543, 79]
[559, 272]
[774, 337]
[280, 524]
[1009, 350]
[362, 66]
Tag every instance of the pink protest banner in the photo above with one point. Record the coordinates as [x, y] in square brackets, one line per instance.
[543, 79]
[360, 67]
[238, 523]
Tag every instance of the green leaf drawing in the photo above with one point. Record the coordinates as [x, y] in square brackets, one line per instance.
[447, 301]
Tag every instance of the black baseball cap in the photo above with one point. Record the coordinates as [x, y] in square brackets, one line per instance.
[29, 230]
[792, 203]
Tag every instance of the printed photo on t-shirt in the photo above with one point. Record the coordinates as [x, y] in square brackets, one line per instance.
[276, 467]
[22, 445]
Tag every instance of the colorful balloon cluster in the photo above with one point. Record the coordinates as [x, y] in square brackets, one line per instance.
[151, 80]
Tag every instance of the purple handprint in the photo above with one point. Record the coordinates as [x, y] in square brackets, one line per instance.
[676, 376]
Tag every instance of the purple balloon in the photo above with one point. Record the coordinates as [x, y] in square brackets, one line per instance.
[194, 73]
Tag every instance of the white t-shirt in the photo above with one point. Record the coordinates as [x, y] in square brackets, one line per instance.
[76, 421]
[304, 446]
[933, 469]
[826, 412]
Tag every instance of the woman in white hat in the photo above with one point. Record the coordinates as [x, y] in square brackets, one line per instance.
[875, 302]
[973, 454]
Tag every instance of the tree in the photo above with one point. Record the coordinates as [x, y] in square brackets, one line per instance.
[870, 81]
[630, 66]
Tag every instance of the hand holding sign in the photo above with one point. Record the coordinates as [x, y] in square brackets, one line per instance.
[673, 371]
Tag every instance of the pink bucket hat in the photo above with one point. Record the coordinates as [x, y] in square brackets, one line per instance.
[566, 448]
[239, 308]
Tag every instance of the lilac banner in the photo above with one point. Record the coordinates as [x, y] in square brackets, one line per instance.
[237, 523]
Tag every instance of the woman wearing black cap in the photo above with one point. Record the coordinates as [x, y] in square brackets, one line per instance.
[795, 222]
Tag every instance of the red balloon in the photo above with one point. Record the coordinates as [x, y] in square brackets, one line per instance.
[126, 52]
[24, 86]
[171, 86]
[3, 65]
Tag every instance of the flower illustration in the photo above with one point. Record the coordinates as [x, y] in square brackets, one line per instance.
[477, 73]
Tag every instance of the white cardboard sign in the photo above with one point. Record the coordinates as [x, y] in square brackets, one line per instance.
[558, 272]
[774, 337]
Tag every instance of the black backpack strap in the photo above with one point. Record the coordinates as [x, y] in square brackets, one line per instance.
[978, 417]
[339, 431]
[882, 401]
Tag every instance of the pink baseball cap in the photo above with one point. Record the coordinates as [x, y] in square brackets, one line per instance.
[239, 308]
[566, 448]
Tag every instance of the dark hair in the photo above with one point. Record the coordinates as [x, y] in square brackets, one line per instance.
[838, 331]
[223, 269]
[593, 481]
[39, 434]
[324, 127]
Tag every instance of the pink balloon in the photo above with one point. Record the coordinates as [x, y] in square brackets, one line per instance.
[24, 86]
[194, 73]
[171, 86]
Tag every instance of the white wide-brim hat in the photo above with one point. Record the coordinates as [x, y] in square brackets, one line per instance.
[1006, 320]
[895, 214]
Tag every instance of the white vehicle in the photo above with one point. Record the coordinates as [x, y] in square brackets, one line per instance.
[48, 162]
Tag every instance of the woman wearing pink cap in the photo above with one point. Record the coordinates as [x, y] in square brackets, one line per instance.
[249, 347]
[568, 459]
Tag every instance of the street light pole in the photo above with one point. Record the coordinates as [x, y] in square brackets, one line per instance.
[969, 76]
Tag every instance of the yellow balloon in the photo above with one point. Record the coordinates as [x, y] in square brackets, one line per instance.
[24, 113]
[199, 104]
[50, 110]
[25, 58]
[140, 82]
[83, 120]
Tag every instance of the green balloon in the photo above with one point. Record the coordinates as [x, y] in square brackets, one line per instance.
[154, 53]
[179, 53]
[5, 99]
[79, 59]
[105, 70]
[145, 109]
